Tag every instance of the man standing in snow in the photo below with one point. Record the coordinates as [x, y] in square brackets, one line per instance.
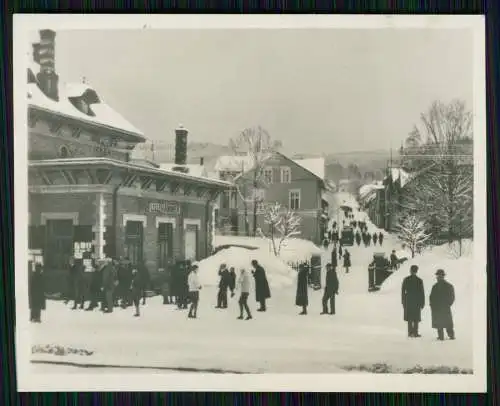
[109, 278]
[347, 260]
[334, 256]
[194, 291]
[232, 280]
[262, 291]
[244, 284]
[380, 237]
[224, 283]
[301, 298]
[413, 300]
[441, 299]
[331, 289]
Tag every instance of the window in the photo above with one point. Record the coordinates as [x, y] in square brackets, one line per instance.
[63, 152]
[294, 199]
[268, 175]
[165, 239]
[286, 174]
[228, 199]
[134, 241]
[59, 244]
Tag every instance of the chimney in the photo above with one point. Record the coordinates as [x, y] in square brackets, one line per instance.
[181, 149]
[202, 161]
[44, 55]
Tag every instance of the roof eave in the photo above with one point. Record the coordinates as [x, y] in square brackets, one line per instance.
[137, 136]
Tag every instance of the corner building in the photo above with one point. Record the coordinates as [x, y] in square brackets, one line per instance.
[87, 196]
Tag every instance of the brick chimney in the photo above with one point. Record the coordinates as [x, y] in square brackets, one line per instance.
[180, 149]
[44, 55]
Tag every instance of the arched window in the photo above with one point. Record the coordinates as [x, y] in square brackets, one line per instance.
[64, 152]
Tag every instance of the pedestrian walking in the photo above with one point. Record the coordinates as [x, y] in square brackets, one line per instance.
[262, 291]
[331, 289]
[340, 251]
[334, 257]
[358, 238]
[380, 237]
[70, 288]
[124, 275]
[375, 237]
[244, 285]
[301, 298]
[441, 299]
[347, 261]
[194, 287]
[166, 285]
[145, 278]
[224, 283]
[78, 285]
[394, 260]
[413, 300]
[36, 293]
[136, 289]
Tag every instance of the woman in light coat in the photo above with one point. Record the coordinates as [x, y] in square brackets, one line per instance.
[194, 287]
[244, 285]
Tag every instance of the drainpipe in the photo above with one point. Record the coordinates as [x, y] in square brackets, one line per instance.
[115, 218]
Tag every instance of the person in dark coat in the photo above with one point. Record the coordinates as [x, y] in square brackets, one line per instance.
[413, 300]
[347, 261]
[136, 290]
[70, 289]
[301, 298]
[78, 284]
[224, 283]
[441, 299]
[375, 237]
[145, 279]
[334, 257]
[340, 251]
[358, 238]
[331, 289]
[166, 285]
[109, 282]
[380, 237]
[262, 291]
[394, 260]
[124, 282]
[36, 293]
[330, 235]
[232, 280]
[96, 288]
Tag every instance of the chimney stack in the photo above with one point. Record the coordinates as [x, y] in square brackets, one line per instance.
[202, 161]
[181, 145]
[44, 55]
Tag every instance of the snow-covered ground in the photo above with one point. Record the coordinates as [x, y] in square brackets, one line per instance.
[368, 327]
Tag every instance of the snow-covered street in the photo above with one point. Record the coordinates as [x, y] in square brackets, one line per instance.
[368, 328]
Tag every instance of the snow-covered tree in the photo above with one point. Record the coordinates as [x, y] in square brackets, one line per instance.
[256, 143]
[440, 154]
[412, 232]
[283, 223]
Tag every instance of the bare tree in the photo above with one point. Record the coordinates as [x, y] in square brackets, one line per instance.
[283, 224]
[257, 145]
[440, 152]
[412, 232]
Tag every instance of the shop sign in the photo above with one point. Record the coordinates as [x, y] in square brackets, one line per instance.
[164, 207]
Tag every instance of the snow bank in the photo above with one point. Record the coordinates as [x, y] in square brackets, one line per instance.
[278, 273]
[293, 250]
[459, 272]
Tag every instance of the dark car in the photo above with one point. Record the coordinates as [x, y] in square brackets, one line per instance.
[347, 236]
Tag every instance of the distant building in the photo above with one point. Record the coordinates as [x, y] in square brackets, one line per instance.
[296, 184]
[86, 192]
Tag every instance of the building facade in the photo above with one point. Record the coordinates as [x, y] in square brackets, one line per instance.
[294, 184]
[87, 196]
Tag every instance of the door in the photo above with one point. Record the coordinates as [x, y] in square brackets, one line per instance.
[191, 242]
[165, 239]
[58, 244]
[134, 241]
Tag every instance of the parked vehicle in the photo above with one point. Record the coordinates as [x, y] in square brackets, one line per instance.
[347, 236]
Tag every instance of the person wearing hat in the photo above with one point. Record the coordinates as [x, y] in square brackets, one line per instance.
[331, 289]
[441, 299]
[413, 300]
[194, 291]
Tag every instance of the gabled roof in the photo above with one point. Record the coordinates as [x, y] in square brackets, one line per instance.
[314, 165]
[105, 116]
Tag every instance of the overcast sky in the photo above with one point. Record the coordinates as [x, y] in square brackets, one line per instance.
[316, 90]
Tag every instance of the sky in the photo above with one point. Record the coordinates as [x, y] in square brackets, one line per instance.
[318, 91]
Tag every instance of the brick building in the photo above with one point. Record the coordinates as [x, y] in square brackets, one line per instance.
[85, 195]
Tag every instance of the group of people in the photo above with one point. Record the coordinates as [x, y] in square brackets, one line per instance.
[339, 252]
[441, 299]
[228, 283]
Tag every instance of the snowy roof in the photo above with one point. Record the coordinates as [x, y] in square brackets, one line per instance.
[105, 116]
[401, 175]
[313, 165]
[235, 163]
[193, 169]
